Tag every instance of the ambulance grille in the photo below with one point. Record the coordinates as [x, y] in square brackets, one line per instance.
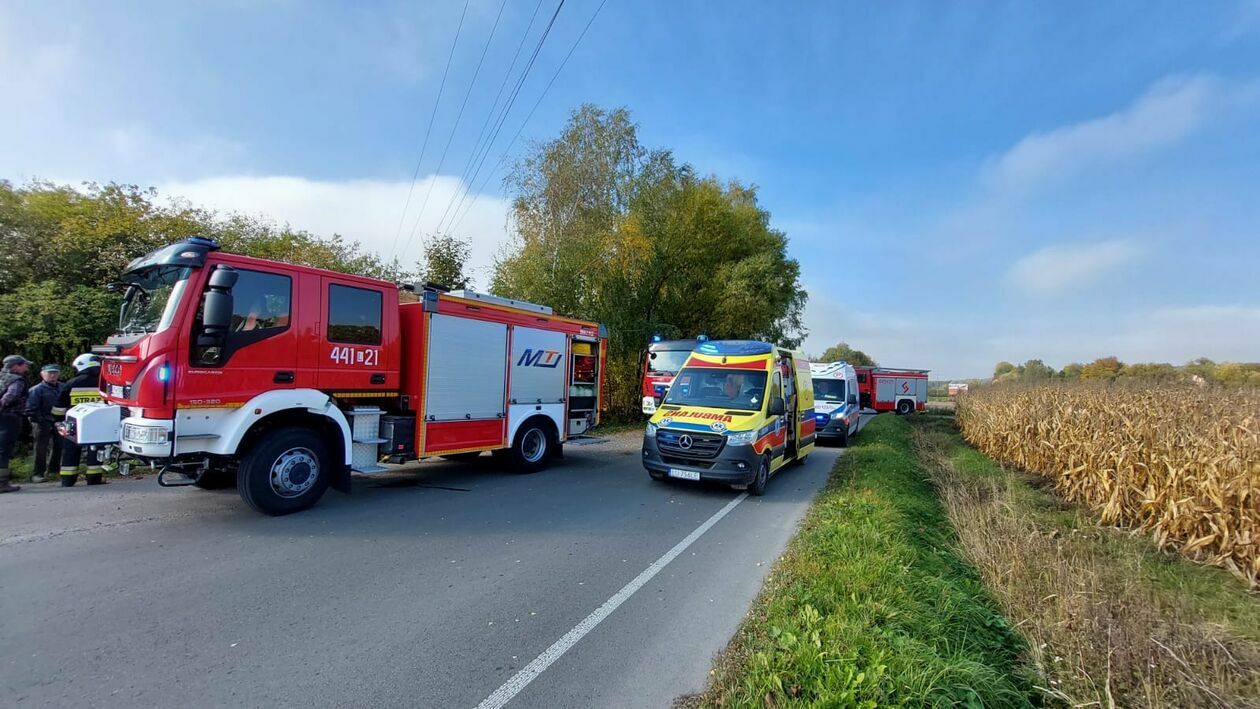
[703, 445]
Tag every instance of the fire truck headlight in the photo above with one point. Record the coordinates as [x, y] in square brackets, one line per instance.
[740, 438]
[650, 430]
[143, 434]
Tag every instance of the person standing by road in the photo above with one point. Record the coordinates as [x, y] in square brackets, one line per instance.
[12, 405]
[44, 411]
[82, 388]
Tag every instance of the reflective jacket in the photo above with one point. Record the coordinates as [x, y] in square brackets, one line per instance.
[85, 386]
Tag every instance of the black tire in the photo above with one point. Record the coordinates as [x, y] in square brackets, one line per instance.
[758, 485]
[532, 448]
[216, 479]
[470, 457]
[306, 474]
[905, 407]
[843, 442]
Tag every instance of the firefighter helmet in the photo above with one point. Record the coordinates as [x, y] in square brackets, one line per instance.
[85, 361]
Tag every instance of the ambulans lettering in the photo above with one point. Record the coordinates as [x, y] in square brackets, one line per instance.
[355, 355]
[703, 415]
[546, 359]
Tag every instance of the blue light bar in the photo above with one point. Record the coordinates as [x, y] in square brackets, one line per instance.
[656, 338]
[702, 338]
[734, 348]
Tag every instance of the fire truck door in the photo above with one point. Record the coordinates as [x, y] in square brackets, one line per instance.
[884, 389]
[351, 356]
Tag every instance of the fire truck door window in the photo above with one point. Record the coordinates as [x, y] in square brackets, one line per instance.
[261, 308]
[354, 315]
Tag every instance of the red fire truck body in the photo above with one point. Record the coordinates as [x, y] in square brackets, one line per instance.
[664, 359]
[890, 389]
[288, 378]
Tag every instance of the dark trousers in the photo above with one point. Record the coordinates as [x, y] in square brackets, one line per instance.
[10, 429]
[47, 449]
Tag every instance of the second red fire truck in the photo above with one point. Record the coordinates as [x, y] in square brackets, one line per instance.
[287, 378]
[890, 389]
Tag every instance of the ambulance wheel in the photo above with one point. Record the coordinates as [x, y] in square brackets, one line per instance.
[758, 484]
[531, 449]
[905, 407]
[286, 470]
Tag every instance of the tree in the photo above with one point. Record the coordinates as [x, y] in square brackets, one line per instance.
[842, 352]
[609, 230]
[1072, 371]
[445, 258]
[1034, 370]
[1106, 368]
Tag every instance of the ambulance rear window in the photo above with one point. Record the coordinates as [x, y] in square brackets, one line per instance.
[354, 315]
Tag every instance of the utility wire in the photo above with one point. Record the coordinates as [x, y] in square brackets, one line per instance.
[455, 127]
[516, 90]
[527, 117]
[424, 146]
[490, 115]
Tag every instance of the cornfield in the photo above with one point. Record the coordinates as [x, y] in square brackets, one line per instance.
[1180, 463]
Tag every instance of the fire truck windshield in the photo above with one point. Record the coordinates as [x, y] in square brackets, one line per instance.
[151, 298]
[829, 389]
[667, 361]
[718, 388]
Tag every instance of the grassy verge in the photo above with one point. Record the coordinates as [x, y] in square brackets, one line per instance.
[871, 605]
[1110, 620]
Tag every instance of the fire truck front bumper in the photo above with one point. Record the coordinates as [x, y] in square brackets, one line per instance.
[733, 465]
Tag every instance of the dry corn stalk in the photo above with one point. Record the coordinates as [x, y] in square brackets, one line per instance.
[1180, 463]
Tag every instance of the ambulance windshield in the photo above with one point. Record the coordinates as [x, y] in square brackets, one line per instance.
[666, 361]
[829, 389]
[718, 389]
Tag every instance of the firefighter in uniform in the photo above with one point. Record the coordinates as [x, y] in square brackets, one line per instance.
[12, 407]
[84, 387]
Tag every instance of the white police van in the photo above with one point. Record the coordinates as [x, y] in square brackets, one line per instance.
[837, 415]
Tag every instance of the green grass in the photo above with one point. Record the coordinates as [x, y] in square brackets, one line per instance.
[870, 605]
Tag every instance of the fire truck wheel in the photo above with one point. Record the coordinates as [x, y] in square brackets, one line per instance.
[531, 449]
[905, 407]
[758, 485]
[286, 470]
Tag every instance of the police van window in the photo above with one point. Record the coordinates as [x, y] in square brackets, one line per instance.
[260, 301]
[354, 315]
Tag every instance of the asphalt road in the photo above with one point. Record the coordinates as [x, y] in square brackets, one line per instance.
[429, 587]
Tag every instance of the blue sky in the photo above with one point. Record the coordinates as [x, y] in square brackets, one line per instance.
[962, 182]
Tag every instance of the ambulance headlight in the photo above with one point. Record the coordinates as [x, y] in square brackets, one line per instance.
[143, 434]
[740, 438]
[650, 430]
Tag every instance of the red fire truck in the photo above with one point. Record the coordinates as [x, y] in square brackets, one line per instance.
[664, 359]
[287, 378]
[890, 389]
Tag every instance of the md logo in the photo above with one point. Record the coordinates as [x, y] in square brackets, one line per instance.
[547, 359]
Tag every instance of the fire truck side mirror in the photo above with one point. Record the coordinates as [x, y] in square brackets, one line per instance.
[216, 314]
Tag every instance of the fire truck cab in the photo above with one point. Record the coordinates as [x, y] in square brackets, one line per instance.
[664, 359]
[737, 412]
[288, 378]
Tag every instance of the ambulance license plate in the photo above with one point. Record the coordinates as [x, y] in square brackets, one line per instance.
[684, 474]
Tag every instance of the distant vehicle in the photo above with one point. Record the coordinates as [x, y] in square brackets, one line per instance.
[891, 389]
[664, 359]
[737, 412]
[837, 413]
[956, 388]
[287, 378]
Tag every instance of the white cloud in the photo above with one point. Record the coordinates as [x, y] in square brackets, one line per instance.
[1057, 269]
[1169, 111]
[364, 210]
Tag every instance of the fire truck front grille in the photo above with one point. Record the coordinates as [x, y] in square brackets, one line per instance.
[689, 444]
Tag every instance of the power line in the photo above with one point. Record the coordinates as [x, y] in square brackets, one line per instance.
[424, 146]
[529, 116]
[455, 127]
[516, 90]
[490, 115]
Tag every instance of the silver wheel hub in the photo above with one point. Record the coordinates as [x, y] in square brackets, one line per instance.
[533, 445]
[294, 472]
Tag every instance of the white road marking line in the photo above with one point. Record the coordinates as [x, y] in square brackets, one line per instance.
[521, 679]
